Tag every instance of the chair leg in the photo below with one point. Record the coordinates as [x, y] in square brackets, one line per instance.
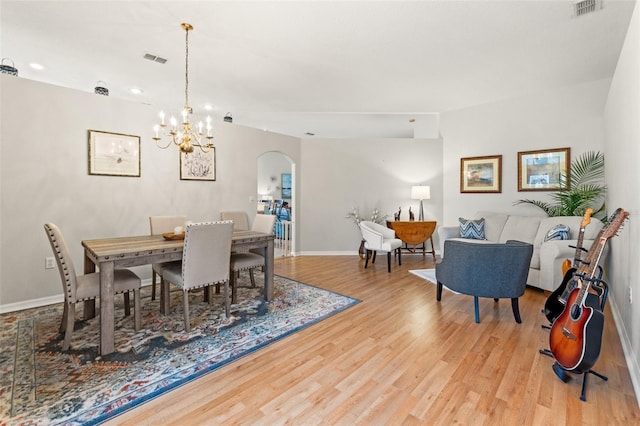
[234, 287]
[185, 303]
[516, 309]
[71, 317]
[253, 279]
[366, 258]
[154, 277]
[439, 291]
[127, 304]
[137, 314]
[65, 315]
[226, 298]
[164, 296]
[389, 261]
[373, 259]
[476, 308]
[399, 256]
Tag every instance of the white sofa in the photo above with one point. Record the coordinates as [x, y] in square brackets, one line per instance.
[545, 271]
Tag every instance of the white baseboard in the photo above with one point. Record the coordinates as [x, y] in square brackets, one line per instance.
[627, 348]
[43, 301]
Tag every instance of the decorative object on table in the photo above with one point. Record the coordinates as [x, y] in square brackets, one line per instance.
[543, 170]
[185, 136]
[8, 69]
[396, 216]
[411, 216]
[481, 174]
[420, 192]
[584, 189]
[198, 165]
[101, 88]
[173, 236]
[114, 154]
[228, 118]
[82, 387]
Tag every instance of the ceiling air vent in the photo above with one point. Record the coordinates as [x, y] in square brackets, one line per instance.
[586, 6]
[154, 58]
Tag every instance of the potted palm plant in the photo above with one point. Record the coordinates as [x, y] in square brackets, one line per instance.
[586, 189]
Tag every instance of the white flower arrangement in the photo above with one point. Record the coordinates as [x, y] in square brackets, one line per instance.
[354, 215]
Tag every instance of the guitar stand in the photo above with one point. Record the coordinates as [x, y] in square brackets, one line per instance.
[602, 289]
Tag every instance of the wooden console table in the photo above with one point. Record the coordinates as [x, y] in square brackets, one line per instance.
[414, 233]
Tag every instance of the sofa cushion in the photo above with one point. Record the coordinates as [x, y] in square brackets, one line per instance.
[558, 232]
[472, 229]
[493, 224]
[521, 228]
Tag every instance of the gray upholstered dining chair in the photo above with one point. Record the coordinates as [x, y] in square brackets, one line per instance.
[379, 238]
[253, 259]
[485, 270]
[160, 225]
[240, 219]
[78, 288]
[205, 262]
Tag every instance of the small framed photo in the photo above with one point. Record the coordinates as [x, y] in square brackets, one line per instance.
[545, 170]
[114, 154]
[198, 165]
[481, 174]
[286, 186]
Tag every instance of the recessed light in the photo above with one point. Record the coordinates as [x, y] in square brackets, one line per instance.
[136, 90]
[36, 66]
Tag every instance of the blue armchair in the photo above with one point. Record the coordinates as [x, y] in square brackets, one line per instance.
[485, 270]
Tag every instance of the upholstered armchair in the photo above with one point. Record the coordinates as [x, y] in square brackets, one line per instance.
[379, 238]
[485, 270]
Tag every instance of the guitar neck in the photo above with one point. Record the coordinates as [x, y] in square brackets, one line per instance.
[578, 254]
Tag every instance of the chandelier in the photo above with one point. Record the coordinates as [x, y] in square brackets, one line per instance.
[184, 135]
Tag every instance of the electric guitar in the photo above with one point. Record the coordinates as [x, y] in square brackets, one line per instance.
[576, 335]
[557, 300]
[586, 220]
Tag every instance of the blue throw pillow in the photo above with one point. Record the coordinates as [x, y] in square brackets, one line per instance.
[558, 232]
[472, 229]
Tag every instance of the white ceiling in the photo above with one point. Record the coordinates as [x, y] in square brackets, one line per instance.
[336, 69]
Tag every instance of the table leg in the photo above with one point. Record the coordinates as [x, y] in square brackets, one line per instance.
[433, 250]
[268, 271]
[107, 325]
[89, 305]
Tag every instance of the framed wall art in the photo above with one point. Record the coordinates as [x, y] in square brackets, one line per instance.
[481, 174]
[198, 165]
[544, 170]
[114, 154]
[286, 186]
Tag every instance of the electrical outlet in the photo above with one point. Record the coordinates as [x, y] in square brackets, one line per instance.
[49, 263]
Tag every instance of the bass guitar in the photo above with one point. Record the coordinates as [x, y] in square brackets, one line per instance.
[557, 300]
[576, 335]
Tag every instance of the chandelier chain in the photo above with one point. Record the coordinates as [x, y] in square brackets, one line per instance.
[186, 70]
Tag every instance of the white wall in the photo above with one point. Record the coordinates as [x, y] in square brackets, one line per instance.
[566, 117]
[44, 178]
[271, 165]
[623, 179]
[339, 174]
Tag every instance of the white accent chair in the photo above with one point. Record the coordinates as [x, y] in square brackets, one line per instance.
[87, 287]
[160, 225]
[205, 262]
[240, 219]
[379, 238]
[254, 258]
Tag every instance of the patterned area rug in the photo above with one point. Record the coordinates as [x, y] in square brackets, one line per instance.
[41, 384]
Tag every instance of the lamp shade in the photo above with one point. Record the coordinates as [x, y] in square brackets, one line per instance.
[420, 192]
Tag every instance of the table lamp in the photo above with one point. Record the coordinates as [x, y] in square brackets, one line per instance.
[420, 193]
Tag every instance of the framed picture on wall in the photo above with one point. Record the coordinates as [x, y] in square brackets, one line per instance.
[114, 154]
[198, 165]
[286, 186]
[544, 170]
[481, 174]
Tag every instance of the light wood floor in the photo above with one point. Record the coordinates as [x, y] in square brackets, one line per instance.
[399, 357]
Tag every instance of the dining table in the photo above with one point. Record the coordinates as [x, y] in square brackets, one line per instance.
[109, 254]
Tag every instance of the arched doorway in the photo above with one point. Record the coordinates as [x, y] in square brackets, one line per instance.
[275, 186]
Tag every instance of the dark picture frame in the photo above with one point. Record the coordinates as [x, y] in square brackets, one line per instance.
[481, 175]
[544, 170]
[113, 154]
[198, 165]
